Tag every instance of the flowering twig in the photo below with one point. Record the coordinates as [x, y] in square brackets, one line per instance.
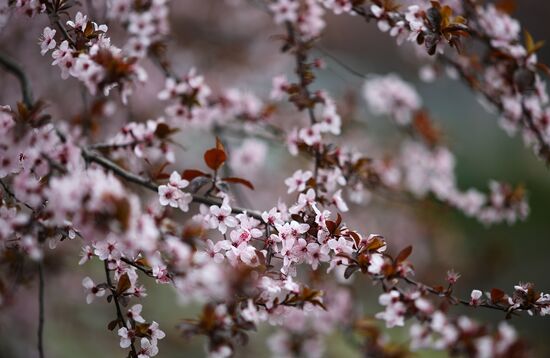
[90, 156]
[114, 294]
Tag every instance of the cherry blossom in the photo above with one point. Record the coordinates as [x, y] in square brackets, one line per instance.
[92, 290]
[220, 218]
[47, 41]
[298, 181]
[389, 95]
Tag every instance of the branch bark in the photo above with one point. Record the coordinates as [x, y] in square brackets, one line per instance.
[90, 156]
[12, 67]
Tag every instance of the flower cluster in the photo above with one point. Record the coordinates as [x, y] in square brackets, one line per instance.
[389, 95]
[87, 54]
[147, 23]
[427, 166]
[308, 15]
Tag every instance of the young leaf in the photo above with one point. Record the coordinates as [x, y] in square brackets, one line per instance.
[219, 144]
[123, 284]
[239, 181]
[497, 295]
[112, 325]
[350, 271]
[402, 256]
[214, 158]
[191, 174]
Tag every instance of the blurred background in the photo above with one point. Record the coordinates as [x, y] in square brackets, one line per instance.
[233, 43]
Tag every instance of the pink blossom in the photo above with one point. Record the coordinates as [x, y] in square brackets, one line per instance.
[92, 290]
[284, 10]
[298, 181]
[47, 41]
[220, 217]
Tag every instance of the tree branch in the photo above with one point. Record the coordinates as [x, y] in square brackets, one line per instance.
[40, 310]
[120, 316]
[12, 67]
[148, 184]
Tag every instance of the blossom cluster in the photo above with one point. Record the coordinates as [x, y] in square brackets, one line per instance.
[147, 23]
[426, 166]
[87, 54]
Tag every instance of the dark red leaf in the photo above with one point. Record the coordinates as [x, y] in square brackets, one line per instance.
[497, 295]
[123, 284]
[239, 181]
[402, 256]
[350, 271]
[219, 144]
[214, 158]
[191, 174]
[112, 325]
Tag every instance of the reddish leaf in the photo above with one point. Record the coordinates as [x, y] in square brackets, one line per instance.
[497, 295]
[123, 284]
[162, 176]
[331, 226]
[239, 181]
[375, 243]
[507, 6]
[159, 172]
[112, 325]
[214, 158]
[350, 270]
[219, 144]
[163, 130]
[191, 174]
[142, 329]
[142, 262]
[404, 254]
[355, 236]
[338, 220]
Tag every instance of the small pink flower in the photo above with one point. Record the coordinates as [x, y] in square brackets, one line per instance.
[220, 217]
[126, 337]
[135, 313]
[148, 349]
[47, 41]
[92, 290]
[298, 181]
[475, 297]
[87, 254]
[284, 10]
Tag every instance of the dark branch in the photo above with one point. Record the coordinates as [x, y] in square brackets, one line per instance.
[12, 67]
[148, 184]
[40, 310]
[119, 314]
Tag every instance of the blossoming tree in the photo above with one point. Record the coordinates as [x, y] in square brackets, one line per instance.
[117, 187]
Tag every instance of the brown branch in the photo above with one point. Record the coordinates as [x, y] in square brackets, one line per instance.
[446, 294]
[92, 157]
[40, 310]
[120, 316]
[12, 67]
[146, 271]
[301, 71]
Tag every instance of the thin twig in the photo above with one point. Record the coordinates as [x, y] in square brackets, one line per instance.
[12, 195]
[40, 310]
[120, 316]
[18, 72]
[148, 184]
[453, 298]
[301, 71]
